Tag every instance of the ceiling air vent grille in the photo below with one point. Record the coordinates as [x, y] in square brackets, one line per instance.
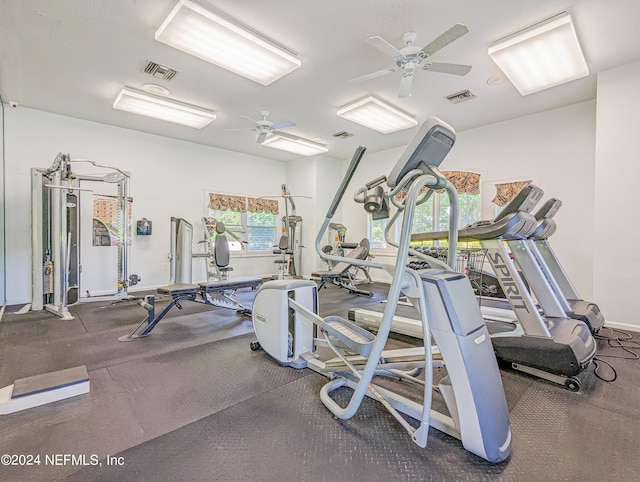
[160, 71]
[461, 96]
[342, 134]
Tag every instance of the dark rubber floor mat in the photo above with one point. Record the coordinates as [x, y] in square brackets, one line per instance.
[192, 402]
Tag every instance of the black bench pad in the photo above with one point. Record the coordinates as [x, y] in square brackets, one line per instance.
[326, 275]
[234, 284]
[178, 289]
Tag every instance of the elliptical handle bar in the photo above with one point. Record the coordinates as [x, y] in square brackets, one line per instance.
[355, 161]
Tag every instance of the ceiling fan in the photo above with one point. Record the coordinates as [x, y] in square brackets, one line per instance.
[264, 126]
[410, 58]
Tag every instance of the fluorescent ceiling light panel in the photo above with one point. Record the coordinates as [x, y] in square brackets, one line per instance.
[220, 40]
[162, 108]
[295, 144]
[377, 115]
[541, 56]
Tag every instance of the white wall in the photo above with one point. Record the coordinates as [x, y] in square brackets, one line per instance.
[556, 148]
[617, 262]
[560, 149]
[317, 177]
[169, 178]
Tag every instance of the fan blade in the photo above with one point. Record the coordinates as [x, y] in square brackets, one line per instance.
[262, 137]
[405, 85]
[242, 129]
[385, 47]
[454, 33]
[282, 125]
[455, 69]
[373, 75]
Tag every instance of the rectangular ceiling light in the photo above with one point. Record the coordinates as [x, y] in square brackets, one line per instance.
[138, 102]
[295, 144]
[541, 56]
[220, 40]
[377, 115]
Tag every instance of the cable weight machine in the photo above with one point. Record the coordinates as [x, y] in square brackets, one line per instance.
[55, 211]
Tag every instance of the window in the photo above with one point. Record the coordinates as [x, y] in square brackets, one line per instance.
[253, 221]
[261, 231]
[376, 233]
[433, 214]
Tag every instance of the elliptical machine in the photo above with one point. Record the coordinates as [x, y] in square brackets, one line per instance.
[289, 329]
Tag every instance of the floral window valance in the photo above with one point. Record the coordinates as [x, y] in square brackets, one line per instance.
[263, 205]
[464, 182]
[507, 191]
[225, 202]
[242, 204]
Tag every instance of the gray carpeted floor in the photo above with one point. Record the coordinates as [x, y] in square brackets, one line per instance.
[193, 402]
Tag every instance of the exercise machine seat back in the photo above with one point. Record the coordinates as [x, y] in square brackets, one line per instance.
[221, 247]
[361, 252]
[221, 251]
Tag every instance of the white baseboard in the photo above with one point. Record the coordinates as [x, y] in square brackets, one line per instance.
[622, 326]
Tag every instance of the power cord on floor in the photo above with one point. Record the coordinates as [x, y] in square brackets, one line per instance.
[615, 339]
[624, 341]
[597, 371]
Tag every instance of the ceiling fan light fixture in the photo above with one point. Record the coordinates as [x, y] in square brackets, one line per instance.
[138, 102]
[295, 144]
[223, 41]
[541, 56]
[375, 114]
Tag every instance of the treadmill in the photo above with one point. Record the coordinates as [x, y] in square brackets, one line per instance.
[538, 243]
[550, 345]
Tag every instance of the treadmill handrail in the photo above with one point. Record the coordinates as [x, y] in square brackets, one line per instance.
[517, 225]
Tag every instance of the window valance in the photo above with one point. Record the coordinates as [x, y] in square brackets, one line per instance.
[464, 182]
[225, 202]
[242, 204]
[263, 205]
[507, 191]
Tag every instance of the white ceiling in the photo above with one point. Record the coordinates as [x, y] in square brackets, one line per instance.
[72, 57]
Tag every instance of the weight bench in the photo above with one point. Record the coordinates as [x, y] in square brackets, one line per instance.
[340, 275]
[212, 293]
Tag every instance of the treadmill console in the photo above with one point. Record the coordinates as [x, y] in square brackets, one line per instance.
[549, 209]
[429, 147]
[525, 201]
